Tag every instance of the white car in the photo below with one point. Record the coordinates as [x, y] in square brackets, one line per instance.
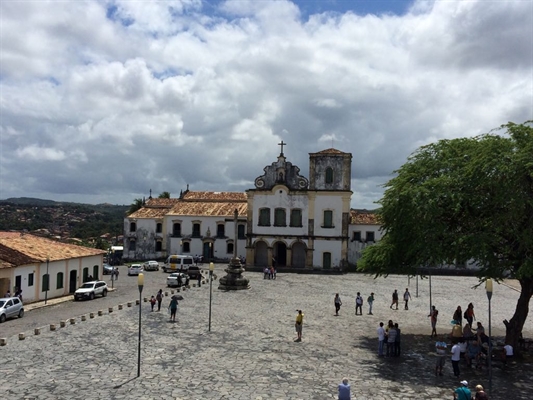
[135, 269]
[172, 279]
[11, 307]
[151, 266]
[89, 290]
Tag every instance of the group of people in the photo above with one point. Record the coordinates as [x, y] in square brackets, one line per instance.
[18, 293]
[464, 393]
[391, 335]
[172, 307]
[269, 273]
[395, 299]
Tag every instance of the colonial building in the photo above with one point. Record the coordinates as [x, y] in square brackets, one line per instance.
[44, 268]
[287, 219]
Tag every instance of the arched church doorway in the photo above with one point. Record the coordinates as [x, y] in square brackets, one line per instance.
[261, 254]
[298, 255]
[280, 254]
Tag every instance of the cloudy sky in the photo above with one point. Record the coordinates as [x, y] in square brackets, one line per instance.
[102, 101]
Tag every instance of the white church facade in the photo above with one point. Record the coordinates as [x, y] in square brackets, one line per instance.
[287, 220]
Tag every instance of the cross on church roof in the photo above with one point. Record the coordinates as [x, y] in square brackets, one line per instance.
[282, 144]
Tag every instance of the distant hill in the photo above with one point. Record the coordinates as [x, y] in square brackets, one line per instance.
[63, 220]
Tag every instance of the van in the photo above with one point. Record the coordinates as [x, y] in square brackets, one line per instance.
[178, 263]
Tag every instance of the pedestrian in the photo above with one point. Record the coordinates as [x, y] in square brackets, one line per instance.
[152, 302]
[298, 325]
[397, 344]
[370, 301]
[391, 340]
[338, 303]
[394, 299]
[381, 339]
[90, 278]
[18, 293]
[344, 390]
[359, 304]
[456, 357]
[508, 353]
[434, 315]
[8, 294]
[480, 332]
[159, 298]
[265, 272]
[199, 280]
[272, 273]
[440, 348]
[469, 314]
[173, 306]
[480, 393]
[116, 273]
[462, 392]
[406, 298]
[458, 316]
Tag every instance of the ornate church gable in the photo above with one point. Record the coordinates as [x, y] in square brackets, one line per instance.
[281, 172]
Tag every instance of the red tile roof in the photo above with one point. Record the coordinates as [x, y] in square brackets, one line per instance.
[209, 208]
[215, 196]
[364, 217]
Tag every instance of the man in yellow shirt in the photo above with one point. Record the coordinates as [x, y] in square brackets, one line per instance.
[298, 325]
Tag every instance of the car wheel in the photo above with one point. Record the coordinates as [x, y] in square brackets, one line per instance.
[21, 313]
[91, 296]
[104, 294]
[2, 318]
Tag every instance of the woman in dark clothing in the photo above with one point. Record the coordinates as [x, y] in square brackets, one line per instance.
[458, 316]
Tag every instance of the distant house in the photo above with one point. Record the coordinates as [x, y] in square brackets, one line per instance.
[44, 268]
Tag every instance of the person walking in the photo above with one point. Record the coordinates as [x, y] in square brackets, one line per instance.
[116, 273]
[440, 348]
[299, 325]
[370, 302]
[462, 392]
[8, 294]
[152, 302]
[434, 315]
[159, 298]
[344, 390]
[391, 341]
[394, 299]
[359, 304]
[456, 357]
[406, 298]
[338, 304]
[173, 308]
[381, 339]
[469, 314]
[200, 280]
[397, 342]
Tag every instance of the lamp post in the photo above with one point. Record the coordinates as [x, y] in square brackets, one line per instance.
[47, 281]
[488, 288]
[211, 269]
[112, 268]
[140, 283]
[430, 300]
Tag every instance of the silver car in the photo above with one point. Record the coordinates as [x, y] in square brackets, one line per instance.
[177, 279]
[11, 307]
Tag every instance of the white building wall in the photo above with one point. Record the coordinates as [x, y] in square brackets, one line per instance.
[356, 247]
[332, 246]
[328, 202]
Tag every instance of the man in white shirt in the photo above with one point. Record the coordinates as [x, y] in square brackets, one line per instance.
[507, 353]
[381, 338]
[456, 357]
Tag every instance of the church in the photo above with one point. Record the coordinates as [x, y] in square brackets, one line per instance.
[286, 220]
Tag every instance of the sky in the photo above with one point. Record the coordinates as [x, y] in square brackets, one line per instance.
[103, 101]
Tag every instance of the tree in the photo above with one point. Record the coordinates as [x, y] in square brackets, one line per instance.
[463, 199]
[164, 195]
[136, 205]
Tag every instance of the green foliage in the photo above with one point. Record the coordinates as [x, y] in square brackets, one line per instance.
[461, 199]
[136, 205]
[164, 195]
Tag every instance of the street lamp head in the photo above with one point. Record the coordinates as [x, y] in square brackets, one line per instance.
[488, 288]
[140, 280]
[211, 267]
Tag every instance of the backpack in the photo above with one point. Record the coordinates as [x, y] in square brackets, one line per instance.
[369, 300]
[465, 315]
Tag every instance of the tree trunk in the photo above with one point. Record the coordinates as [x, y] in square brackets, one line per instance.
[513, 328]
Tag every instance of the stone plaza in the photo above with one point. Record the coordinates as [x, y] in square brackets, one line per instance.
[250, 351]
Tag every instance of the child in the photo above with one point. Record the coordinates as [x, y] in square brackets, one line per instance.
[152, 302]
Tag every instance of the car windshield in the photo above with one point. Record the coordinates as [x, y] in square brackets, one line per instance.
[87, 286]
[2, 302]
[173, 275]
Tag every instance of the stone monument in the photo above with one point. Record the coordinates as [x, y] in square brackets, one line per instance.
[234, 279]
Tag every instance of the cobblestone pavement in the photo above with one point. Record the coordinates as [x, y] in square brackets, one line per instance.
[250, 352]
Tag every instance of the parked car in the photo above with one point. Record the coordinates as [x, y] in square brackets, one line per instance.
[151, 266]
[11, 307]
[108, 269]
[193, 272]
[172, 279]
[89, 290]
[135, 269]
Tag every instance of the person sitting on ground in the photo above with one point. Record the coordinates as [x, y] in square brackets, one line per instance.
[480, 393]
[480, 332]
[467, 332]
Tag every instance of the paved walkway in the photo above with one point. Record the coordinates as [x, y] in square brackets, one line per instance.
[250, 352]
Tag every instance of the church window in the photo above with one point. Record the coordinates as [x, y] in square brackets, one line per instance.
[196, 230]
[229, 248]
[176, 230]
[220, 230]
[240, 232]
[328, 219]
[159, 227]
[329, 175]
[370, 236]
[279, 217]
[356, 236]
[133, 226]
[264, 217]
[158, 245]
[186, 247]
[296, 217]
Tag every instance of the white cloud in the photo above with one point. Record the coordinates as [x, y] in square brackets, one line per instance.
[138, 95]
